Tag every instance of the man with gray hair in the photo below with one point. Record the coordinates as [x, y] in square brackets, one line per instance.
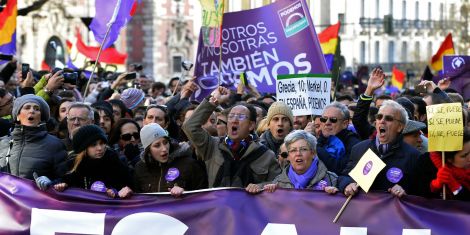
[335, 141]
[78, 115]
[400, 158]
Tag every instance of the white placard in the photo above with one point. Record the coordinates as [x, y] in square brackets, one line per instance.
[305, 94]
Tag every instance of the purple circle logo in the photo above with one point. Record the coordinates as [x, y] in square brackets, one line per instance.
[321, 185]
[394, 175]
[367, 168]
[172, 174]
[98, 186]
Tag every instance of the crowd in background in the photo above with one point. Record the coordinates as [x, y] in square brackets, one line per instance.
[129, 134]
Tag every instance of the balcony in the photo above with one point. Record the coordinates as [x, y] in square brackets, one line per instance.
[407, 24]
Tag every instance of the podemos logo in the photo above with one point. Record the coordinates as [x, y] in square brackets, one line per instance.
[293, 18]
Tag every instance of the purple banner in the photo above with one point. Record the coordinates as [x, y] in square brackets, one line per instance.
[264, 42]
[457, 68]
[26, 210]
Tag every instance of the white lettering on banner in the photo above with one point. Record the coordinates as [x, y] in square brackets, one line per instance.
[147, 223]
[279, 229]
[50, 222]
[353, 231]
[304, 94]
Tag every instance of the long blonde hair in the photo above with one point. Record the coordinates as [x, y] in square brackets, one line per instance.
[78, 160]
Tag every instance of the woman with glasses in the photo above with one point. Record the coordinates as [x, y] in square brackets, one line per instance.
[94, 166]
[166, 165]
[305, 170]
[125, 140]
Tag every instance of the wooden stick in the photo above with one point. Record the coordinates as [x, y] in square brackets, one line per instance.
[443, 186]
[342, 208]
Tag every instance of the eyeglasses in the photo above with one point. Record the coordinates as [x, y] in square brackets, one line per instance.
[74, 119]
[221, 122]
[239, 117]
[127, 137]
[332, 119]
[302, 150]
[284, 154]
[387, 118]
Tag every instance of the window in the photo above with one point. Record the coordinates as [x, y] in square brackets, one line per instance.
[429, 49]
[390, 4]
[417, 51]
[377, 52]
[441, 12]
[363, 11]
[404, 52]
[177, 60]
[377, 8]
[362, 58]
[429, 11]
[403, 10]
[417, 10]
[391, 51]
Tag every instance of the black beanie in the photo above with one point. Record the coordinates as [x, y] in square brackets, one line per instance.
[86, 136]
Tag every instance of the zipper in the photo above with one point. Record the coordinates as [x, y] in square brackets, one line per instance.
[160, 179]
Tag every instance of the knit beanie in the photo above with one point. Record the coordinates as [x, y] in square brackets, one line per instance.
[132, 97]
[86, 136]
[151, 132]
[43, 106]
[279, 108]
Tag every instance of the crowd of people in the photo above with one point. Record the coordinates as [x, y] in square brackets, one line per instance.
[138, 136]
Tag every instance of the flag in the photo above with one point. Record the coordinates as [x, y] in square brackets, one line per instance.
[329, 42]
[80, 54]
[212, 12]
[8, 28]
[446, 48]
[115, 12]
[367, 169]
[398, 77]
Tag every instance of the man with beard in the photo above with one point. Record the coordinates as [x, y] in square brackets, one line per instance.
[237, 159]
[279, 122]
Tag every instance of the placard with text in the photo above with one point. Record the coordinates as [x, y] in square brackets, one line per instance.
[445, 127]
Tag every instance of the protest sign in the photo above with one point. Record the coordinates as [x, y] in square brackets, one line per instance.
[278, 38]
[367, 169]
[305, 94]
[445, 127]
[457, 69]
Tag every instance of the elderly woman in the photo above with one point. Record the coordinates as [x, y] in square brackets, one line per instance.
[165, 165]
[34, 150]
[305, 171]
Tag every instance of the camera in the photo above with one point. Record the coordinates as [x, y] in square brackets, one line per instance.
[187, 65]
[71, 78]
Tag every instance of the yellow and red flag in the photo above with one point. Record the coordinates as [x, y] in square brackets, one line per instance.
[8, 28]
[446, 48]
[398, 78]
[329, 42]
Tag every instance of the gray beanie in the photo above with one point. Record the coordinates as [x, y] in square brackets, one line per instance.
[43, 106]
[151, 132]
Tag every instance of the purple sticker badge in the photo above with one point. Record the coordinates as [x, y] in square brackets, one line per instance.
[172, 174]
[394, 174]
[320, 185]
[367, 168]
[98, 186]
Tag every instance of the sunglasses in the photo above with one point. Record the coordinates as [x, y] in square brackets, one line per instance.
[332, 119]
[127, 137]
[283, 154]
[387, 118]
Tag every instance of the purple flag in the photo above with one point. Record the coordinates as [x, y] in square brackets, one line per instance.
[457, 69]
[276, 39]
[119, 12]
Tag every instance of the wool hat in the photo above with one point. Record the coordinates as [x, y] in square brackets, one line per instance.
[279, 108]
[151, 132]
[20, 101]
[131, 97]
[412, 126]
[86, 136]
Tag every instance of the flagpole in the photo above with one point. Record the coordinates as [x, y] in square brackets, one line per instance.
[111, 22]
[342, 208]
[443, 186]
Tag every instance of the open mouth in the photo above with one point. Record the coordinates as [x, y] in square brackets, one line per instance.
[299, 160]
[30, 119]
[234, 130]
[280, 131]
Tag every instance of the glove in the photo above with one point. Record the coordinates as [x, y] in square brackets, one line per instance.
[444, 176]
[131, 151]
[43, 182]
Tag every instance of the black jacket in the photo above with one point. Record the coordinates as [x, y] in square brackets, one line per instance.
[349, 139]
[400, 155]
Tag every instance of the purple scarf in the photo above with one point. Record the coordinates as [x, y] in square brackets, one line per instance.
[301, 181]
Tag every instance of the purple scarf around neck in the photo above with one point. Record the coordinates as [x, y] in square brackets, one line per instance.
[301, 181]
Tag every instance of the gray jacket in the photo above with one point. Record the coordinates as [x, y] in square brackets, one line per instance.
[210, 149]
[283, 180]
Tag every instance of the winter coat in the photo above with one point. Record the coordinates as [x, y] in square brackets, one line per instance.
[213, 149]
[107, 169]
[400, 155]
[181, 170]
[330, 178]
[34, 150]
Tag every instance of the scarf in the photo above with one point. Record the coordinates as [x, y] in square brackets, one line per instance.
[271, 142]
[301, 181]
[461, 175]
[335, 147]
[383, 148]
